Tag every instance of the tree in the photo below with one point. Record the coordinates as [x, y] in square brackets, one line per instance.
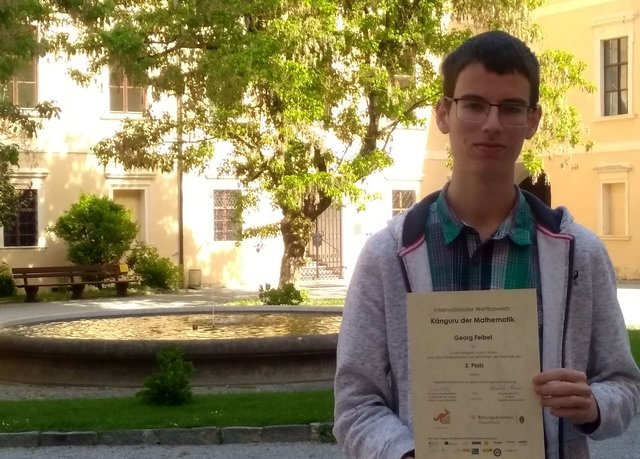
[19, 44]
[96, 230]
[307, 92]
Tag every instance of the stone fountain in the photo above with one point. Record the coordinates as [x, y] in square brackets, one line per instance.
[295, 358]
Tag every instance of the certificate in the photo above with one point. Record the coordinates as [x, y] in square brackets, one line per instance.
[473, 355]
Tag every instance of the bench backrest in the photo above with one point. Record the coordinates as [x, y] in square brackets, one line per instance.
[73, 272]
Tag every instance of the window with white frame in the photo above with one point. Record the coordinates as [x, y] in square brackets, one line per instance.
[614, 201]
[401, 200]
[224, 209]
[124, 95]
[22, 87]
[614, 47]
[615, 71]
[23, 231]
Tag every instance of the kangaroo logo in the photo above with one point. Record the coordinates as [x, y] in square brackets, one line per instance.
[443, 418]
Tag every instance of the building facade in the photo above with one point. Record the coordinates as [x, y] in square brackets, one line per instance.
[601, 187]
[60, 167]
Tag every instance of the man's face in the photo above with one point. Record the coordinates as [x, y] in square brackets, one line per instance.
[489, 148]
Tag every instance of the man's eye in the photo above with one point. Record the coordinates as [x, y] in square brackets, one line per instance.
[474, 106]
[513, 109]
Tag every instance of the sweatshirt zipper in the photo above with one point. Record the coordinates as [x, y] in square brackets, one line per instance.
[405, 274]
[570, 280]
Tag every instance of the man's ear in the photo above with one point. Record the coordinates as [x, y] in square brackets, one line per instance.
[442, 115]
[534, 122]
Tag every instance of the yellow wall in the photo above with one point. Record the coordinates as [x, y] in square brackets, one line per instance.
[64, 177]
[581, 182]
[588, 183]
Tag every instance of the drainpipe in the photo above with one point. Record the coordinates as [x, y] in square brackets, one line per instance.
[180, 191]
[179, 139]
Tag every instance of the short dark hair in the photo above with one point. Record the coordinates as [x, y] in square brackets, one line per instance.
[499, 53]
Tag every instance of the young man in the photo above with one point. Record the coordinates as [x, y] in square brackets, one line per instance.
[482, 232]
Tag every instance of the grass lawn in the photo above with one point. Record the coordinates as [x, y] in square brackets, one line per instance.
[109, 292]
[46, 296]
[221, 410]
[634, 338]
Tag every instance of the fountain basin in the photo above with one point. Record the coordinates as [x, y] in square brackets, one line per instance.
[126, 363]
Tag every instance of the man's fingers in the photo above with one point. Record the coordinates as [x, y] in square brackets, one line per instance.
[567, 394]
[569, 402]
[559, 374]
[575, 416]
[563, 389]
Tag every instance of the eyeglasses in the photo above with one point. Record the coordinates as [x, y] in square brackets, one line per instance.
[477, 111]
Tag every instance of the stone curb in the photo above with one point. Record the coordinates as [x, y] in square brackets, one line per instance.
[314, 432]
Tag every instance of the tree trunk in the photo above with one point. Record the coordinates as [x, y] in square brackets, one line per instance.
[296, 231]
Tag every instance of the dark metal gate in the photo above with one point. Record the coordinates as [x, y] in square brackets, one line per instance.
[324, 251]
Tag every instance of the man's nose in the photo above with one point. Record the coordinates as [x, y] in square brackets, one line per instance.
[493, 119]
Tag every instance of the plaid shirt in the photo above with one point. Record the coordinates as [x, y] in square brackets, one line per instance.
[460, 261]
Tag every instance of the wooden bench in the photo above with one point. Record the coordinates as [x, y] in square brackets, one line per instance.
[73, 276]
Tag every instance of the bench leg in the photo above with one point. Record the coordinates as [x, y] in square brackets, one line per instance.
[121, 288]
[76, 291]
[32, 293]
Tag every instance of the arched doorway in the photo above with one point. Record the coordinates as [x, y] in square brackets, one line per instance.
[541, 189]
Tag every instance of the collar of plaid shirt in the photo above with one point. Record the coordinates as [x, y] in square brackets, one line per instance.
[460, 261]
[518, 225]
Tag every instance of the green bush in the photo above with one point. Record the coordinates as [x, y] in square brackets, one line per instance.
[155, 271]
[287, 294]
[7, 284]
[171, 383]
[96, 230]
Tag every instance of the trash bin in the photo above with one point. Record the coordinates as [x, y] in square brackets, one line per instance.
[194, 279]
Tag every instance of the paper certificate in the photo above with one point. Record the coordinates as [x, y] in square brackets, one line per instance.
[473, 356]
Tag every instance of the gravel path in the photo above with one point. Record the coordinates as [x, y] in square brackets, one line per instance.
[624, 447]
[27, 392]
[238, 451]
[9, 391]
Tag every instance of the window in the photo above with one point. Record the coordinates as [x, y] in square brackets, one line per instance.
[615, 70]
[24, 231]
[224, 208]
[402, 200]
[124, 95]
[21, 89]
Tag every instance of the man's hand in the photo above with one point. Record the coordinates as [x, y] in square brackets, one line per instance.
[567, 395]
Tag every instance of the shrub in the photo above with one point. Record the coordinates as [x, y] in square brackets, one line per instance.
[287, 294]
[325, 433]
[96, 230]
[155, 271]
[170, 384]
[7, 284]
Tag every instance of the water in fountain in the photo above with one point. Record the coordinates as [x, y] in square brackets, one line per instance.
[185, 326]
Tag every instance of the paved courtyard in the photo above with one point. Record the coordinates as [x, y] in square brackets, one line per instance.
[624, 447]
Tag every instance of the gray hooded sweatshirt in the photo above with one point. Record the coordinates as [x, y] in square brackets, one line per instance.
[583, 329]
